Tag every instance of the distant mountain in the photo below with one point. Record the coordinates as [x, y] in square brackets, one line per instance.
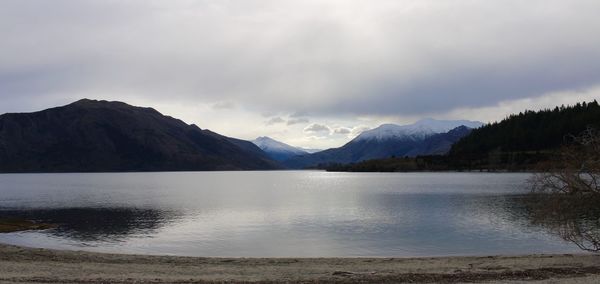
[311, 151]
[277, 150]
[424, 137]
[416, 131]
[440, 143]
[91, 136]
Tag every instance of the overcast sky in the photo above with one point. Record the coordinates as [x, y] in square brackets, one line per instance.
[309, 73]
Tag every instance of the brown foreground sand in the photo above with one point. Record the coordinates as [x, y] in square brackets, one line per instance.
[29, 265]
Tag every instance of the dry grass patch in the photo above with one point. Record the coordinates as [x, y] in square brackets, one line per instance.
[8, 225]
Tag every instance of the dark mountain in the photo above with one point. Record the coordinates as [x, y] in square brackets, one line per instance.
[440, 144]
[277, 150]
[90, 136]
[425, 137]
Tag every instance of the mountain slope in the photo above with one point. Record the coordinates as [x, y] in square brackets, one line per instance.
[277, 150]
[421, 138]
[91, 135]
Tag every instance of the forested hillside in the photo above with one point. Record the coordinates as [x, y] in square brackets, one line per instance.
[530, 130]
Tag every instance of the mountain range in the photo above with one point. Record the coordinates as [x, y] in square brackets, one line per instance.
[425, 137]
[527, 141]
[277, 150]
[92, 136]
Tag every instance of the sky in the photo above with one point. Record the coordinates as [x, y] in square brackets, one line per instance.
[309, 73]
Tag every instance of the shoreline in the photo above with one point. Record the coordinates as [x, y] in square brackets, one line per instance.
[36, 265]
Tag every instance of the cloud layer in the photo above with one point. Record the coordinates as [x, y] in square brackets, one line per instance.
[355, 57]
[316, 59]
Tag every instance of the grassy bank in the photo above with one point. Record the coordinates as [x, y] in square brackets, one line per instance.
[8, 225]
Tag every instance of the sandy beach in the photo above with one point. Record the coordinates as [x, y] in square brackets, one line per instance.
[31, 265]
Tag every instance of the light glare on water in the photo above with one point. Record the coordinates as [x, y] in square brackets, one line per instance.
[279, 214]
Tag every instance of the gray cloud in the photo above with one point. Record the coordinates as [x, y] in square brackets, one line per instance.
[293, 121]
[319, 57]
[342, 130]
[317, 128]
[298, 114]
[223, 105]
[275, 120]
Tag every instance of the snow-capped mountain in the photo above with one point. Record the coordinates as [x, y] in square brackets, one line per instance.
[277, 150]
[425, 137]
[416, 131]
[311, 151]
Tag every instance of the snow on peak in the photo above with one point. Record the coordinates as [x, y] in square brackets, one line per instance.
[268, 144]
[416, 131]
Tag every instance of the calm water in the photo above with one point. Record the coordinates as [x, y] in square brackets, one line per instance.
[289, 213]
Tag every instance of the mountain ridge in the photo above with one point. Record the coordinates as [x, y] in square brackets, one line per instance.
[277, 150]
[418, 130]
[398, 142]
[92, 136]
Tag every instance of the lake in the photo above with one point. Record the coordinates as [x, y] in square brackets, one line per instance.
[279, 213]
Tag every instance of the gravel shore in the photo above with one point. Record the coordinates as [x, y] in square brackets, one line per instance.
[29, 265]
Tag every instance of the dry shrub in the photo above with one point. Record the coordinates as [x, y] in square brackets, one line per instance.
[575, 171]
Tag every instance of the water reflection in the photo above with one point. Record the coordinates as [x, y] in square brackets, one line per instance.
[574, 220]
[98, 224]
[279, 214]
[397, 221]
